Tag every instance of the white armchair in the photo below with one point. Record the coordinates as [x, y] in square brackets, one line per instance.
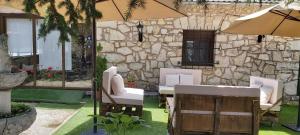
[132, 97]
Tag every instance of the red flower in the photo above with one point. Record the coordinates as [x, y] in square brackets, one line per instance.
[49, 68]
[49, 75]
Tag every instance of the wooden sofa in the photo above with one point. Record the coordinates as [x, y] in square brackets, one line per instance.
[270, 110]
[214, 110]
[130, 103]
[168, 91]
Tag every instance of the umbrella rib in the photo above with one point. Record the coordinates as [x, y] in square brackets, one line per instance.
[284, 14]
[170, 7]
[118, 10]
[281, 21]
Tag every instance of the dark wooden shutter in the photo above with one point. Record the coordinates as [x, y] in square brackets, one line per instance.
[198, 48]
[2, 25]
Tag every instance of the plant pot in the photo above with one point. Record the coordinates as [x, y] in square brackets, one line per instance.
[131, 84]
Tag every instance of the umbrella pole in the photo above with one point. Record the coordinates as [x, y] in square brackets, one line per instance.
[296, 127]
[94, 73]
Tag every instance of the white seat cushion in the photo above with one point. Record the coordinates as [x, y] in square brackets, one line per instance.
[186, 79]
[131, 97]
[166, 90]
[172, 79]
[266, 106]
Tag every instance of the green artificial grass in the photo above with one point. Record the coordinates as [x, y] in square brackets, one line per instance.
[288, 115]
[47, 95]
[154, 116]
[157, 119]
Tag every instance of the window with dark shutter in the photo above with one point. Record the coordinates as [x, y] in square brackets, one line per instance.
[198, 47]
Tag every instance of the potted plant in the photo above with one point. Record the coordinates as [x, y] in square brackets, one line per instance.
[119, 123]
[131, 81]
[101, 66]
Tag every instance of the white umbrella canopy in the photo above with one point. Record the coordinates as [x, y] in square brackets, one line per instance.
[279, 20]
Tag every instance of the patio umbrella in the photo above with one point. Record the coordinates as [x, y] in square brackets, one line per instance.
[279, 20]
[115, 10]
[152, 9]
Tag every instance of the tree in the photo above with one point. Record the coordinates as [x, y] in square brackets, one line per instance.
[67, 24]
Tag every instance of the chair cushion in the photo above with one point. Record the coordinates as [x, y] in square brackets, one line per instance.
[268, 105]
[186, 79]
[117, 85]
[131, 97]
[265, 94]
[166, 90]
[172, 79]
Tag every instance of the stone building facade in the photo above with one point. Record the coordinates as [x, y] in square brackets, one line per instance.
[236, 56]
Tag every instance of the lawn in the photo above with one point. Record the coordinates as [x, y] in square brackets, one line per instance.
[47, 95]
[157, 119]
[154, 116]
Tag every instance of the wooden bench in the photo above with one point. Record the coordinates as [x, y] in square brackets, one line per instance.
[214, 110]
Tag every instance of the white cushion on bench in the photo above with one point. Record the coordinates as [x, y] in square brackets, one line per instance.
[166, 90]
[132, 97]
[268, 105]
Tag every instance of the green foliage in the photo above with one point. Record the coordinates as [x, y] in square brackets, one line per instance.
[16, 109]
[3, 41]
[133, 4]
[131, 78]
[118, 123]
[101, 65]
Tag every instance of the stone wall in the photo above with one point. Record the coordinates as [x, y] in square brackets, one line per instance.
[238, 56]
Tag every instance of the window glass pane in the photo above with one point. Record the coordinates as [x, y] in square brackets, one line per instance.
[19, 33]
[189, 50]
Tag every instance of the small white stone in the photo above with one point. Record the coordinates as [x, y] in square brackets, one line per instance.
[156, 48]
[124, 51]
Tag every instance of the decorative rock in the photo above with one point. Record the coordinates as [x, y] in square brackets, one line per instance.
[175, 44]
[116, 35]
[156, 48]
[123, 28]
[213, 81]
[221, 38]
[239, 60]
[17, 124]
[175, 60]
[162, 56]
[135, 66]
[124, 51]
[263, 57]
[107, 24]
[232, 52]
[114, 57]
[277, 56]
[291, 87]
[122, 67]
[143, 55]
[269, 69]
[163, 31]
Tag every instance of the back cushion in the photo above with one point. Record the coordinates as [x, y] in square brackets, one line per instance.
[117, 85]
[186, 79]
[265, 94]
[172, 79]
[106, 79]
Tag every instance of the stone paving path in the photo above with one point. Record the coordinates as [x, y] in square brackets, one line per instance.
[48, 120]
